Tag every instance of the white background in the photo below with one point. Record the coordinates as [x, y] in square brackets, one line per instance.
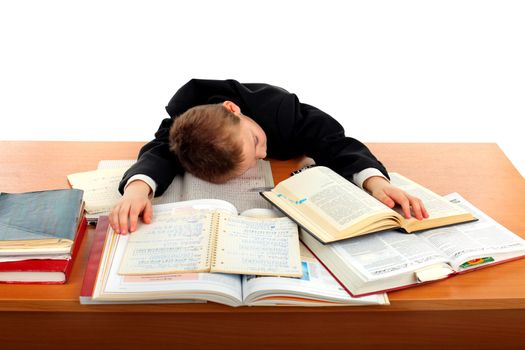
[403, 71]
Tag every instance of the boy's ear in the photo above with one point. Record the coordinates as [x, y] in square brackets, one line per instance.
[232, 107]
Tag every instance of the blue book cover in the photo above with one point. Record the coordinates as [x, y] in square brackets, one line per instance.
[49, 214]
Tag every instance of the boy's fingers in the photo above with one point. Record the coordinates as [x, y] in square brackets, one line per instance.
[424, 209]
[113, 219]
[123, 218]
[416, 208]
[148, 213]
[403, 201]
[389, 202]
[134, 213]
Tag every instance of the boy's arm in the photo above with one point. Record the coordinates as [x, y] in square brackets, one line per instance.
[150, 175]
[135, 201]
[156, 161]
[155, 158]
[324, 140]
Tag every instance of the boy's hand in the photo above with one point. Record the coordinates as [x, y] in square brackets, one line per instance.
[134, 202]
[391, 195]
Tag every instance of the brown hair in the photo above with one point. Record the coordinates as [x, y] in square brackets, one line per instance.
[203, 138]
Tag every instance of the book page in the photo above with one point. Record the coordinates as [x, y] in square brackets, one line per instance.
[316, 286]
[484, 240]
[172, 194]
[257, 246]
[387, 253]
[322, 193]
[170, 244]
[177, 240]
[100, 188]
[115, 163]
[241, 191]
[436, 205]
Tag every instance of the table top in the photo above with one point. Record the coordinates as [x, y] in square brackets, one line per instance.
[479, 172]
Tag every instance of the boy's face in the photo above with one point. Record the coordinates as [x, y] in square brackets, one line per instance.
[253, 140]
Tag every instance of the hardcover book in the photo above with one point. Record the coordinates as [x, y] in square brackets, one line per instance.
[332, 208]
[38, 223]
[392, 260]
[103, 283]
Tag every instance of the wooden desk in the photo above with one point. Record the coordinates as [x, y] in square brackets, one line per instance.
[483, 310]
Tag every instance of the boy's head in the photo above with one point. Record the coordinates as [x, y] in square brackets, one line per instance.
[217, 142]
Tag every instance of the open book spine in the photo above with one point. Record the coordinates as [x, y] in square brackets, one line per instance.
[212, 243]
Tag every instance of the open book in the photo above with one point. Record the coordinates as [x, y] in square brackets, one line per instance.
[101, 187]
[392, 260]
[332, 208]
[103, 284]
[209, 236]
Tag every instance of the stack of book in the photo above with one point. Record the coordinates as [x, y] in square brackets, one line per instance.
[40, 234]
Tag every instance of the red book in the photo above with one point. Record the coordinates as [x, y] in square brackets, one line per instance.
[42, 271]
[95, 256]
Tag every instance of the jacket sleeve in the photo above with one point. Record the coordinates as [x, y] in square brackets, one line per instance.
[324, 140]
[155, 158]
[156, 161]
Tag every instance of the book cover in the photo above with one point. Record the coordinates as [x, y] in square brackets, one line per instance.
[41, 215]
[97, 247]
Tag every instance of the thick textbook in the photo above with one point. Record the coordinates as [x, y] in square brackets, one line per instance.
[103, 285]
[332, 208]
[43, 222]
[90, 274]
[392, 260]
[210, 236]
[42, 271]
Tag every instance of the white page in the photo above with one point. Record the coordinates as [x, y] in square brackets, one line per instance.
[238, 191]
[177, 239]
[262, 246]
[221, 288]
[189, 286]
[387, 253]
[100, 188]
[482, 238]
[35, 257]
[316, 283]
[172, 194]
[329, 195]
[169, 244]
[436, 205]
